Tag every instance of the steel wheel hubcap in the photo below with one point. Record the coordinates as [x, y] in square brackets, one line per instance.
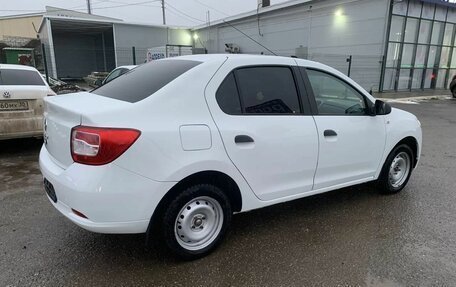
[399, 169]
[198, 223]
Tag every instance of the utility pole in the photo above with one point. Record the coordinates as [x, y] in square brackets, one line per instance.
[163, 11]
[208, 29]
[89, 9]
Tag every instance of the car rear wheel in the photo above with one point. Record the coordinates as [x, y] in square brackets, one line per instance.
[396, 170]
[196, 221]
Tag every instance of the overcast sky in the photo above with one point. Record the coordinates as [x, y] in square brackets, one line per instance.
[178, 12]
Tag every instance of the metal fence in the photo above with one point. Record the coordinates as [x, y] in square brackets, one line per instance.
[71, 62]
[365, 70]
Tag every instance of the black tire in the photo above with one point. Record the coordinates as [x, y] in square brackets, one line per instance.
[174, 209]
[384, 184]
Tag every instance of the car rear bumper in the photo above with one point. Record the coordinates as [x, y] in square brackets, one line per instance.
[113, 199]
[11, 128]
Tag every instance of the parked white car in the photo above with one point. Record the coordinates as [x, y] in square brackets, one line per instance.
[177, 145]
[117, 72]
[22, 90]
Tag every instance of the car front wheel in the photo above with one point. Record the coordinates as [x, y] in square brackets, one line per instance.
[196, 220]
[396, 170]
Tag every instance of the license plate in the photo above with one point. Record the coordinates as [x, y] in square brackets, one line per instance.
[13, 106]
[49, 188]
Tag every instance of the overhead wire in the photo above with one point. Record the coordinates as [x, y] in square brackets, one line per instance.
[269, 50]
[181, 16]
[80, 8]
[77, 10]
[119, 2]
[210, 7]
[183, 13]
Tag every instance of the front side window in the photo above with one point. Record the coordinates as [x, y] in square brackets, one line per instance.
[268, 90]
[114, 74]
[334, 96]
[20, 78]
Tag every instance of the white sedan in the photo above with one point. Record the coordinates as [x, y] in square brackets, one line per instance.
[117, 72]
[177, 145]
[22, 90]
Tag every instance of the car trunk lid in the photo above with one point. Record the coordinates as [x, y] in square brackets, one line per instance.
[62, 113]
[21, 101]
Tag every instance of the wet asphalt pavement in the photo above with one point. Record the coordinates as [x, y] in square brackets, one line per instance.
[348, 237]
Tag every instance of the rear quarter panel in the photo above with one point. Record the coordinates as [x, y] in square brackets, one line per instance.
[158, 153]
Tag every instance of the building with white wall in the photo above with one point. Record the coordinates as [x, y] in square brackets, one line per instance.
[393, 44]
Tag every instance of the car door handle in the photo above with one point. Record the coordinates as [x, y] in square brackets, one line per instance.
[243, 139]
[329, 133]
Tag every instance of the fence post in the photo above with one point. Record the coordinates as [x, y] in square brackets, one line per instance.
[349, 60]
[133, 50]
[382, 74]
[43, 50]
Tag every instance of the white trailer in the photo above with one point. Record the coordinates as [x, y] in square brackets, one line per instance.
[168, 51]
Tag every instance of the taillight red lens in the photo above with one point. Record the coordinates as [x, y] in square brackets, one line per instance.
[98, 146]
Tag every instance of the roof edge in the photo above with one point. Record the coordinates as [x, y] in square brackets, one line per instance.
[251, 13]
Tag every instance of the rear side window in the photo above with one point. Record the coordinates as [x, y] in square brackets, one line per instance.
[145, 80]
[268, 90]
[228, 97]
[20, 78]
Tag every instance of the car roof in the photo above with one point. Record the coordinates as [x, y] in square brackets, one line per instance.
[300, 62]
[214, 57]
[17, 67]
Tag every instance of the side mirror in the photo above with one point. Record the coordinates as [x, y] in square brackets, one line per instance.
[98, 83]
[382, 108]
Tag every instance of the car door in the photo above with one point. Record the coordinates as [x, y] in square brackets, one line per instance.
[267, 130]
[351, 141]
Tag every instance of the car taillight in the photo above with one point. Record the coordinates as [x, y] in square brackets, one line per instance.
[98, 146]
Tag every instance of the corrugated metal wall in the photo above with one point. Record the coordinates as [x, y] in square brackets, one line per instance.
[330, 30]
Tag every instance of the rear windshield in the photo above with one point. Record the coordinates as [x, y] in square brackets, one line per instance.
[20, 78]
[144, 80]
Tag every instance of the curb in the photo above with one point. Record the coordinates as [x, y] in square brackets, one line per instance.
[416, 99]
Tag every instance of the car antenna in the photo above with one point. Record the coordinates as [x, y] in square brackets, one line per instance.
[250, 38]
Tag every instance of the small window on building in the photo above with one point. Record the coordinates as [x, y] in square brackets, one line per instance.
[428, 11]
[407, 56]
[227, 96]
[425, 32]
[411, 29]
[397, 24]
[20, 78]
[440, 13]
[400, 8]
[389, 80]
[417, 78]
[268, 90]
[451, 15]
[393, 54]
[414, 8]
[420, 58]
[404, 79]
[448, 34]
